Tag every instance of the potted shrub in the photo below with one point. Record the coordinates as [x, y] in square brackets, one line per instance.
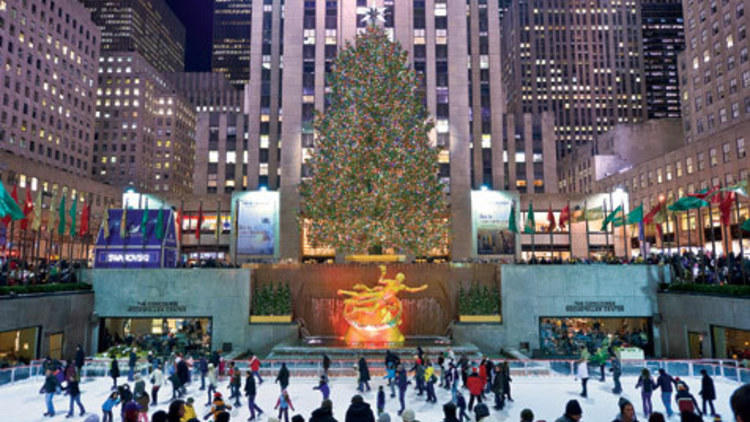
[479, 304]
[271, 305]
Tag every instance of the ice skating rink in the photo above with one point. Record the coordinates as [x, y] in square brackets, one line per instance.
[546, 396]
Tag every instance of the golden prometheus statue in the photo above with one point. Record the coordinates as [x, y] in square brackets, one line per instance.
[374, 314]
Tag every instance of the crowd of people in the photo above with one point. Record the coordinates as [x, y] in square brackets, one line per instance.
[14, 271]
[567, 336]
[487, 385]
[188, 337]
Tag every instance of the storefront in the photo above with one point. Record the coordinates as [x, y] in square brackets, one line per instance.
[162, 335]
[730, 343]
[563, 337]
[19, 346]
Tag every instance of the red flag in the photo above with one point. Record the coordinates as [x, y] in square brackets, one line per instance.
[178, 219]
[28, 208]
[550, 220]
[13, 195]
[564, 217]
[649, 218]
[704, 194]
[84, 229]
[725, 207]
[200, 222]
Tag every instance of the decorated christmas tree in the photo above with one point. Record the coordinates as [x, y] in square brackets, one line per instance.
[374, 181]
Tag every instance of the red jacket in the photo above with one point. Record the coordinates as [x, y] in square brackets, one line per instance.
[483, 373]
[255, 364]
[475, 384]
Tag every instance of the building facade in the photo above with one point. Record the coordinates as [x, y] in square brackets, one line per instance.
[663, 39]
[231, 40]
[584, 63]
[145, 132]
[51, 52]
[148, 27]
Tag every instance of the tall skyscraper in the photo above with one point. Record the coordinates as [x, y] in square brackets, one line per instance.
[231, 40]
[454, 46]
[582, 61]
[148, 27]
[663, 39]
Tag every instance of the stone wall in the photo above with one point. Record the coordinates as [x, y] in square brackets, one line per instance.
[66, 313]
[681, 313]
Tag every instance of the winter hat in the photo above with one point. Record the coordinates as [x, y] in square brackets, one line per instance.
[573, 408]
[298, 418]
[481, 411]
[622, 403]
[384, 417]
[217, 395]
[408, 415]
[527, 415]
[160, 416]
[190, 400]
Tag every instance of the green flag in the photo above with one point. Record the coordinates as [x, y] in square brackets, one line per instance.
[61, 216]
[687, 203]
[611, 218]
[746, 225]
[635, 216]
[738, 188]
[144, 221]
[160, 224]
[512, 226]
[8, 205]
[530, 226]
[73, 212]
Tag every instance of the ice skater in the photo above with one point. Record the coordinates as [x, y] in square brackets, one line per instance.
[255, 368]
[283, 377]
[51, 384]
[402, 382]
[646, 384]
[583, 373]
[284, 403]
[616, 369]
[364, 375]
[708, 392]
[114, 370]
[665, 381]
[72, 389]
[381, 400]
[475, 386]
[250, 392]
[109, 404]
[212, 382]
[323, 387]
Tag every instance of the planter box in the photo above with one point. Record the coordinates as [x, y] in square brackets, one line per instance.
[375, 258]
[270, 319]
[480, 318]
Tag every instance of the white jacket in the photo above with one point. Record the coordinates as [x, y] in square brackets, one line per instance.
[158, 377]
[211, 376]
[583, 370]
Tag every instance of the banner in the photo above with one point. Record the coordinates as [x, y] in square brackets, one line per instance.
[490, 212]
[257, 221]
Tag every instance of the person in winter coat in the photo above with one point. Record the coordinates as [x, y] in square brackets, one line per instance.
[507, 380]
[255, 368]
[401, 382]
[461, 405]
[665, 381]
[114, 371]
[251, 392]
[183, 373]
[489, 369]
[740, 403]
[582, 372]
[527, 415]
[80, 358]
[430, 379]
[573, 412]
[498, 387]
[475, 386]
[646, 384]
[139, 387]
[176, 411]
[190, 415]
[283, 377]
[364, 375]
[686, 403]
[326, 364]
[51, 384]
[359, 411]
[176, 385]
[708, 392]
[616, 369]
[482, 413]
[324, 413]
[381, 400]
[203, 368]
[483, 374]
[212, 382]
[323, 387]
[390, 375]
[449, 412]
[418, 370]
[284, 403]
[235, 383]
[627, 412]
[157, 380]
[109, 404]
[142, 399]
[132, 360]
[74, 392]
[217, 406]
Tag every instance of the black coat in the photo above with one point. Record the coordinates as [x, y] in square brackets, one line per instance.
[72, 388]
[360, 412]
[250, 385]
[283, 377]
[114, 369]
[183, 372]
[322, 414]
[80, 358]
[50, 384]
[708, 392]
[364, 372]
[326, 362]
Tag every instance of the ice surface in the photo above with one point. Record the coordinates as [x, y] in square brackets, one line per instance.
[546, 396]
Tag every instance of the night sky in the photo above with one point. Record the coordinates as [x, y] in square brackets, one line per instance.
[197, 16]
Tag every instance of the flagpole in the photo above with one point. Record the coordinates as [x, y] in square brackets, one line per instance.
[218, 226]
[701, 234]
[676, 231]
[551, 237]
[606, 230]
[570, 233]
[624, 232]
[533, 232]
[586, 220]
[739, 226]
[711, 226]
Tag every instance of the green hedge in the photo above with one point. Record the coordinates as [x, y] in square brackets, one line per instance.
[479, 300]
[724, 290]
[43, 288]
[270, 300]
